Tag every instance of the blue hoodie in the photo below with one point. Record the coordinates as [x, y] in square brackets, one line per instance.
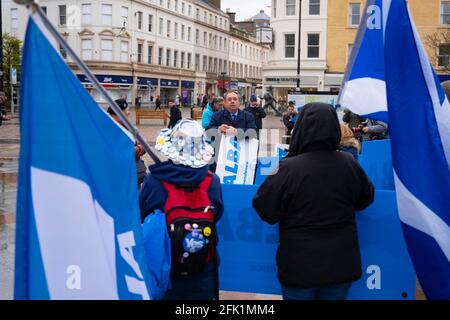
[153, 195]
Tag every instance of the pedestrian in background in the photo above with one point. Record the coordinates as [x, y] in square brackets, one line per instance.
[158, 103]
[313, 197]
[175, 114]
[257, 112]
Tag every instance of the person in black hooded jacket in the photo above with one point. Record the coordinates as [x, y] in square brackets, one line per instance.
[313, 197]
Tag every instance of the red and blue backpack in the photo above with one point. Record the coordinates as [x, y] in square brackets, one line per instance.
[191, 227]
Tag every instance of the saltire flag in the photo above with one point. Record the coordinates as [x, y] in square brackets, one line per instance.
[419, 124]
[364, 87]
[78, 230]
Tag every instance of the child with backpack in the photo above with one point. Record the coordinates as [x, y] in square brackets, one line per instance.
[191, 198]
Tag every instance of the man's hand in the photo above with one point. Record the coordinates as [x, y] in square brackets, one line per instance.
[365, 129]
[223, 128]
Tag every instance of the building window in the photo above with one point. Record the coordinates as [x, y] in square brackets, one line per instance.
[140, 46]
[349, 51]
[210, 19]
[197, 62]
[189, 60]
[289, 45]
[160, 56]
[197, 36]
[150, 23]
[86, 49]
[215, 21]
[124, 16]
[14, 21]
[175, 59]
[182, 60]
[62, 15]
[63, 52]
[313, 45]
[210, 64]
[107, 14]
[86, 13]
[354, 14]
[225, 63]
[220, 65]
[210, 40]
[161, 26]
[161, 3]
[189, 34]
[168, 28]
[168, 4]
[290, 7]
[183, 9]
[176, 6]
[139, 20]
[205, 63]
[274, 7]
[182, 31]
[314, 7]
[44, 9]
[107, 50]
[444, 55]
[168, 57]
[205, 39]
[197, 13]
[124, 51]
[175, 30]
[445, 12]
[150, 55]
[189, 10]
[205, 16]
[220, 23]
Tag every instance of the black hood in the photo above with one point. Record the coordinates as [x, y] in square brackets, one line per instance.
[317, 128]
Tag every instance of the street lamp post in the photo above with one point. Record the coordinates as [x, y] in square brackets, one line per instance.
[299, 43]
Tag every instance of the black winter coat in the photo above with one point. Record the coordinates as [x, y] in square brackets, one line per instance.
[258, 113]
[175, 116]
[314, 196]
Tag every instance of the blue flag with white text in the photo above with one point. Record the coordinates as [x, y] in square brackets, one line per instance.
[78, 228]
[364, 87]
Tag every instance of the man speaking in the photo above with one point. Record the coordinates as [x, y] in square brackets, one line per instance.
[231, 118]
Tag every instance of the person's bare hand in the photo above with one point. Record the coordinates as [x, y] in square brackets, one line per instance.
[231, 131]
[365, 129]
[223, 128]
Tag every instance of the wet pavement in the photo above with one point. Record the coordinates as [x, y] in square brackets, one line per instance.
[9, 155]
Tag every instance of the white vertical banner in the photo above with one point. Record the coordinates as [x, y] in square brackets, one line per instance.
[236, 160]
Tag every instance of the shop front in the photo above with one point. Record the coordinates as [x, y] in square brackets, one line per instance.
[187, 93]
[116, 86]
[147, 90]
[168, 90]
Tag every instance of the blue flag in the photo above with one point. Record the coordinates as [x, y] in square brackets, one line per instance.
[419, 118]
[364, 88]
[419, 122]
[78, 228]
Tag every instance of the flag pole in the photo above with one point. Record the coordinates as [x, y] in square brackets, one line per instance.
[59, 38]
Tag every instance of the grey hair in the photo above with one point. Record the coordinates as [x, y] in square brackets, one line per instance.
[217, 100]
[233, 91]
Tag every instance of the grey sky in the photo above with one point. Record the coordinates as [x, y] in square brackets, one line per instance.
[246, 9]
